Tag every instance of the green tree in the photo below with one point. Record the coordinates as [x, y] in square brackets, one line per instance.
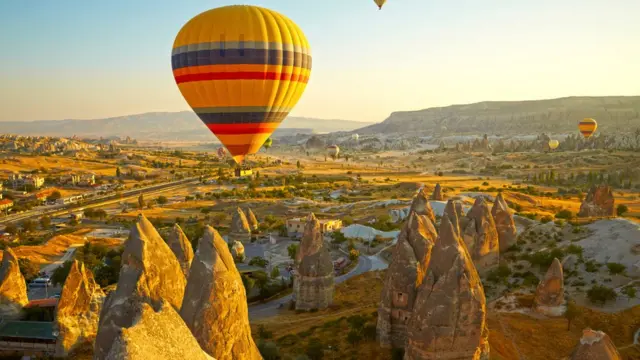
[572, 312]
[275, 272]
[28, 268]
[11, 229]
[599, 294]
[292, 250]
[622, 209]
[315, 349]
[269, 350]
[29, 225]
[248, 283]
[45, 222]
[298, 165]
[118, 172]
[259, 261]
[141, 201]
[162, 200]
[55, 196]
[629, 291]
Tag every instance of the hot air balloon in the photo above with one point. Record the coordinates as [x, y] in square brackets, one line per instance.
[553, 144]
[221, 152]
[267, 144]
[355, 137]
[242, 69]
[379, 3]
[587, 127]
[333, 151]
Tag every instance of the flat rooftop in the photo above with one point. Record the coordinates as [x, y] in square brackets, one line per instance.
[27, 330]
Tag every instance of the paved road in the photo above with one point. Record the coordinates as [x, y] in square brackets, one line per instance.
[365, 264]
[68, 255]
[98, 201]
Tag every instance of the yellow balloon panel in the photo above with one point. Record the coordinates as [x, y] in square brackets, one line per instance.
[242, 69]
[587, 127]
[380, 3]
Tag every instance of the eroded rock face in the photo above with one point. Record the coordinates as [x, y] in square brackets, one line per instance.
[405, 274]
[181, 247]
[215, 302]
[421, 206]
[449, 313]
[313, 281]
[550, 290]
[595, 345]
[251, 219]
[78, 309]
[13, 289]
[150, 274]
[503, 218]
[599, 202]
[485, 251]
[437, 193]
[453, 210]
[240, 230]
[155, 334]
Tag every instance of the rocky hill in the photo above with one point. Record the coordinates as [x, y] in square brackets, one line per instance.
[183, 125]
[513, 117]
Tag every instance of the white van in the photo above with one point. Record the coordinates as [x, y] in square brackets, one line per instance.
[40, 282]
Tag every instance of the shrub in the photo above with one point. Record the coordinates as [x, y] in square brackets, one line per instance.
[574, 249]
[616, 268]
[546, 219]
[269, 350]
[315, 349]
[622, 209]
[564, 214]
[601, 294]
[354, 337]
[397, 354]
[499, 274]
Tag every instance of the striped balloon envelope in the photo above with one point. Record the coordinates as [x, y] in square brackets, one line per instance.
[587, 127]
[241, 69]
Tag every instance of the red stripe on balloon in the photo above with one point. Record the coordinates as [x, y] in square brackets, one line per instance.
[238, 149]
[237, 129]
[241, 75]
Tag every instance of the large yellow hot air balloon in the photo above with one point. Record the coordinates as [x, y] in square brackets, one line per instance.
[553, 144]
[380, 3]
[587, 127]
[242, 69]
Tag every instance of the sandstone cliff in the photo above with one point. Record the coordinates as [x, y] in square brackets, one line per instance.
[181, 247]
[421, 206]
[598, 203]
[437, 193]
[448, 320]
[405, 274]
[485, 251]
[150, 274]
[505, 226]
[13, 289]
[251, 219]
[215, 303]
[313, 281]
[240, 230]
[78, 309]
[595, 345]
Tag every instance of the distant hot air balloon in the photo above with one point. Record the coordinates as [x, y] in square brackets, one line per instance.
[553, 144]
[242, 69]
[333, 151]
[379, 3]
[267, 144]
[587, 127]
[222, 153]
[355, 137]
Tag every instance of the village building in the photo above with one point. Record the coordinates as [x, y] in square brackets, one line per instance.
[5, 205]
[295, 227]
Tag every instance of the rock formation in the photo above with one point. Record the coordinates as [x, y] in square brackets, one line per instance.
[78, 310]
[453, 210]
[13, 289]
[448, 320]
[437, 193]
[485, 249]
[240, 230]
[155, 334]
[313, 281]
[504, 223]
[251, 219]
[238, 251]
[215, 302]
[405, 274]
[421, 205]
[595, 345]
[150, 274]
[181, 247]
[550, 291]
[599, 202]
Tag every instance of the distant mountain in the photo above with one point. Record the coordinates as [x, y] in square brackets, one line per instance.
[613, 113]
[184, 125]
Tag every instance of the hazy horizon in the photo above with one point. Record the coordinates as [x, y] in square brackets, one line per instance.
[105, 60]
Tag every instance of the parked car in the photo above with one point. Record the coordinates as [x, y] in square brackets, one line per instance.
[40, 282]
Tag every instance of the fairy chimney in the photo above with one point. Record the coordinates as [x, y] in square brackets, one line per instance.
[421, 206]
[504, 223]
[550, 291]
[240, 229]
[13, 290]
[181, 247]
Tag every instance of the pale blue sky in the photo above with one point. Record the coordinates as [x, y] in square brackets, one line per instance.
[92, 59]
